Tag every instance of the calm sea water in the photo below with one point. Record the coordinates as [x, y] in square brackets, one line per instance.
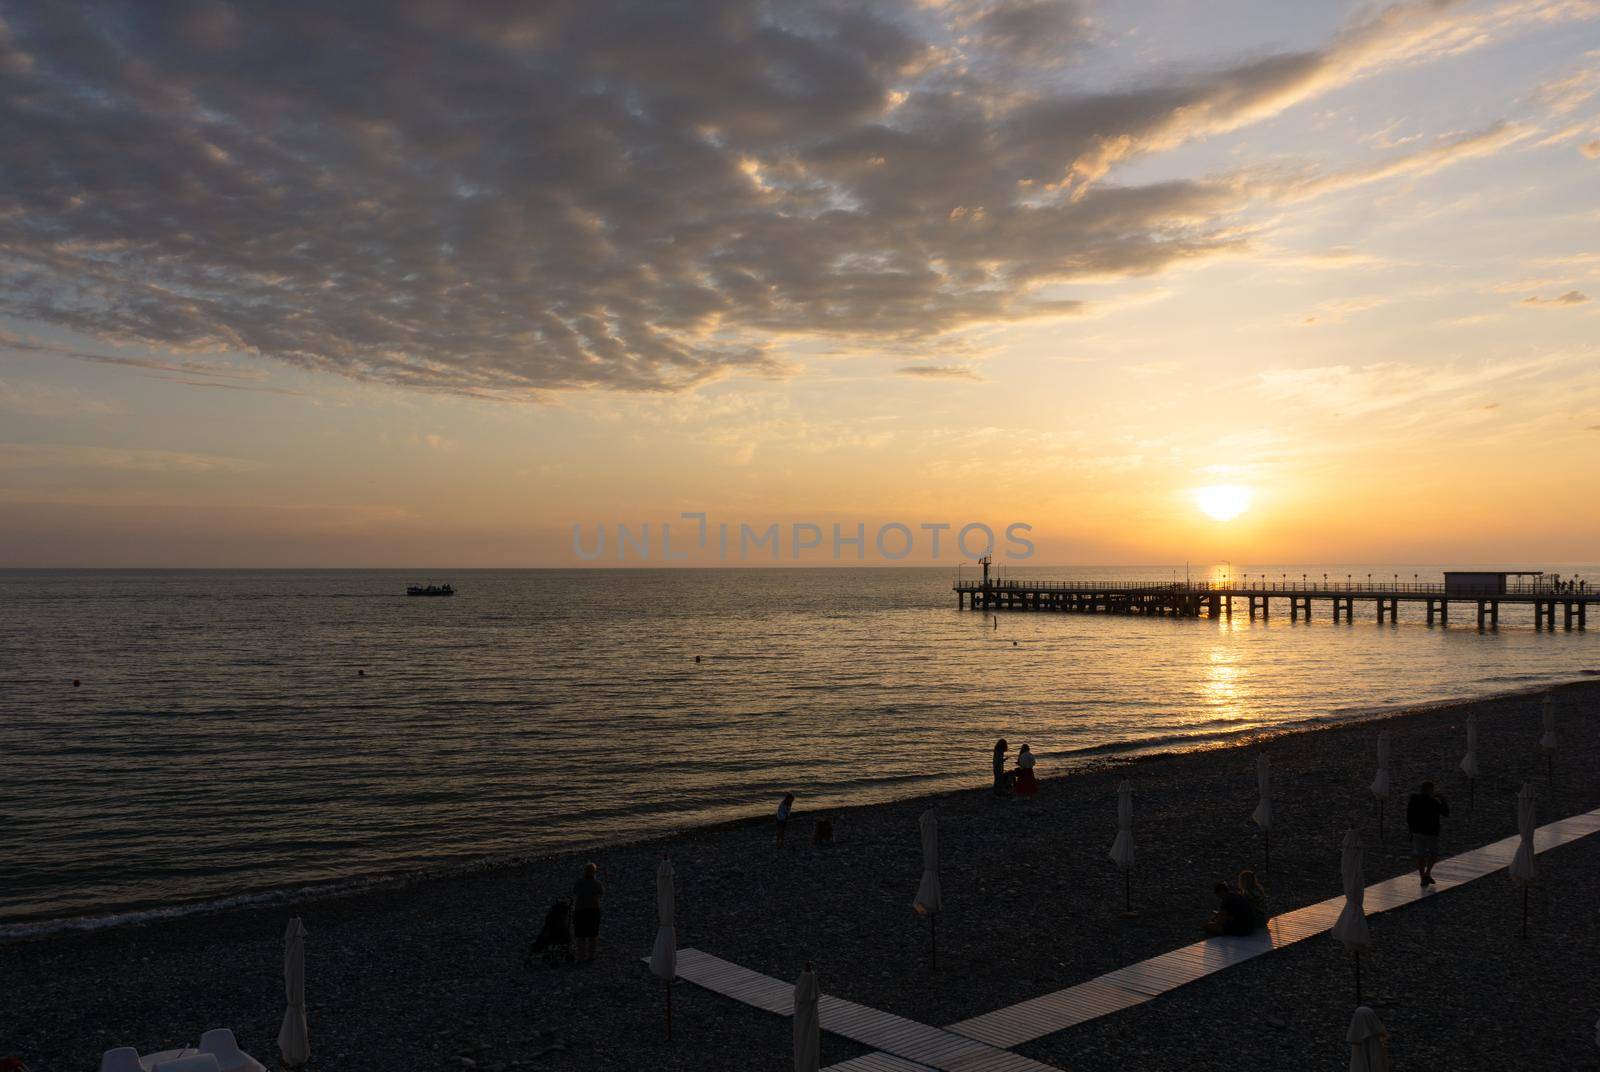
[222, 742]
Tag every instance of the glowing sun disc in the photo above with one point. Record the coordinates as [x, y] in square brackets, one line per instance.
[1223, 502]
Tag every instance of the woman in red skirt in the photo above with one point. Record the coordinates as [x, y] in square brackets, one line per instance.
[1027, 784]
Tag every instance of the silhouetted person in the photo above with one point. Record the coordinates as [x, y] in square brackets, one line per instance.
[1000, 749]
[586, 913]
[1235, 913]
[1422, 816]
[1026, 784]
[784, 807]
[1252, 888]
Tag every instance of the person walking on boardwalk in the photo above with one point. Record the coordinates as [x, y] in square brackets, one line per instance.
[1422, 816]
[1000, 749]
[586, 913]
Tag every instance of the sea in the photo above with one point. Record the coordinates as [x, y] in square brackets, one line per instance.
[177, 741]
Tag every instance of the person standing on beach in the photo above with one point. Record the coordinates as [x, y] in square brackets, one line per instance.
[1000, 749]
[586, 913]
[784, 806]
[1422, 816]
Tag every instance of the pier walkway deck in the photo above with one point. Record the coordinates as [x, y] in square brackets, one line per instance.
[1192, 599]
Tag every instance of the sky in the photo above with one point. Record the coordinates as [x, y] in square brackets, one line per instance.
[431, 284]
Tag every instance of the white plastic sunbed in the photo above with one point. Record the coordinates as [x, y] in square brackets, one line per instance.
[220, 1043]
[121, 1059]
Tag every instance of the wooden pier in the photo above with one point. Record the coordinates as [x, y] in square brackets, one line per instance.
[1215, 599]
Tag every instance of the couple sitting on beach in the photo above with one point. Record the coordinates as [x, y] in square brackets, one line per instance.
[1019, 781]
[1241, 908]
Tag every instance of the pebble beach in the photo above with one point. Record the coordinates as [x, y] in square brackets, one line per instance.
[429, 974]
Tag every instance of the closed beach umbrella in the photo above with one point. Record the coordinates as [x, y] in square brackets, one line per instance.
[1122, 848]
[664, 957]
[929, 897]
[1380, 783]
[1523, 871]
[1351, 926]
[807, 1023]
[1547, 742]
[1367, 1037]
[1262, 816]
[293, 1040]
[1469, 762]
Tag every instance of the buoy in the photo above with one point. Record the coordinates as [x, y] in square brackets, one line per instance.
[361, 673]
[697, 658]
[76, 683]
[1013, 643]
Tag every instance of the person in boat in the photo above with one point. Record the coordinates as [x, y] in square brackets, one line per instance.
[1026, 784]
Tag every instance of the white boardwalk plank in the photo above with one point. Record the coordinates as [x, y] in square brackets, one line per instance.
[915, 1046]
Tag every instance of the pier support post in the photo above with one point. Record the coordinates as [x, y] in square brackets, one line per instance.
[1430, 612]
[1483, 611]
[1494, 614]
[1230, 607]
[1444, 612]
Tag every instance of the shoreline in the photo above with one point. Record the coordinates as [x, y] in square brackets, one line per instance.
[1079, 761]
[429, 972]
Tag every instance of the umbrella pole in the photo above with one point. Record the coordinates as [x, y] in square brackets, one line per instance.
[1358, 977]
[1127, 892]
[1266, 868]
[1472, 786]
[669, 1010]
[1524, 909]
[933, 938]
[1380, 818]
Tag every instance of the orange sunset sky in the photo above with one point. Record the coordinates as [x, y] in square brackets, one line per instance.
[427, 289]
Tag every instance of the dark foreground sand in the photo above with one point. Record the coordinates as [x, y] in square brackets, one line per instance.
[429, 975]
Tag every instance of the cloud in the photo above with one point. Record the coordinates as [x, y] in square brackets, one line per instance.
[502, 200]
[1591, 149]
[43, 400]
[1571, 297]
[15, 456]
[938, 372]
[1335, 312]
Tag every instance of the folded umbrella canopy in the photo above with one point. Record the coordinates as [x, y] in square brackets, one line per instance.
[807, 1023]
[1262, 816]
[1547, 742]
[664, 957]
[293, 1039]
[1368, 1040]
[930, 899]
[1523, 870]
[1469, 762]
[1380, 782]
[1122, 848]
[1351, 926]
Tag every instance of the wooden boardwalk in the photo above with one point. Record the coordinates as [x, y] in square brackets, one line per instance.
[905, 1044]
[980, 1044]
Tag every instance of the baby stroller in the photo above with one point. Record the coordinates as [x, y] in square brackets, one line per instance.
[554, 943]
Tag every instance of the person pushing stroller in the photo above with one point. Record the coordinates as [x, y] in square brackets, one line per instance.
[553, 945]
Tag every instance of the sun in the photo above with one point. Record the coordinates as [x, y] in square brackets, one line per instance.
[1223, 502]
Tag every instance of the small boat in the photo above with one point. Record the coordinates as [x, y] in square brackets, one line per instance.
[430, 590]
